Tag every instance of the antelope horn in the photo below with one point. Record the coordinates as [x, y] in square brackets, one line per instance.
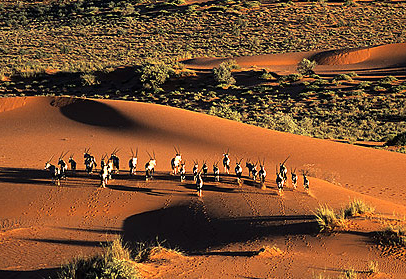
[149, 155]
[136, 152]
[132, 152]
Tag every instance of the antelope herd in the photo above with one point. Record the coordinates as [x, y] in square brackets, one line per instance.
[112, 166]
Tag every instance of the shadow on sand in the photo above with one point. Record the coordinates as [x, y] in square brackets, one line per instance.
[189, 228]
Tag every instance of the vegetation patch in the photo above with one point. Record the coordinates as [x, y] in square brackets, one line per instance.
[357, 207]
[392, 236]
[328, 220]
[114, 262]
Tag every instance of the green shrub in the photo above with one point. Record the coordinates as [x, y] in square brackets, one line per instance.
[89, 80]
[398, 140]
[356, 207]
[306, 67]
[222, 73]
[115, 263]
[225, 111]
[154, 74]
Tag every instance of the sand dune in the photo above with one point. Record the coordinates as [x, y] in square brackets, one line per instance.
[44, 219]
[393, 55]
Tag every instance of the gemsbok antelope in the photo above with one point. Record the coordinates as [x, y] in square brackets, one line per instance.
[294, 178]
[90, 161]
[116, 161]
[283, 170]
[226, 162]
[199, 184]
[250, 167]
[254, 171]
[238, 171]
[132, 163]
[72, 163]
[182, 171]
[150, 167]
[195, 169]
[104, 175]
[306, 181]
[53, 171]
[279, 181]
[176, 161]
[63, 166]
[262, 172]
[205, 168]
[216, 172]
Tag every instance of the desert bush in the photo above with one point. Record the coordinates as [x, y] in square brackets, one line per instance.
[306, 67]
[356, 207]
[327, 219]
[392, 235]
[398, 140]
[387, 80]
[154, 74]
[225, 111]
[341, 77]
[89, 80]
[222, 73]
[114, 262]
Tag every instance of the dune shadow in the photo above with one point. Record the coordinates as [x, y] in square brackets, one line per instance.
[189, 228]
[31, 274]
[24, 176]
[96, 114]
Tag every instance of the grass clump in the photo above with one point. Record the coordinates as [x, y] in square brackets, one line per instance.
[114, 262]
[398, 140]
[357, 207]
[349, 274]
[154, 252]
[327, 219]
[373, 267]
[154, 74]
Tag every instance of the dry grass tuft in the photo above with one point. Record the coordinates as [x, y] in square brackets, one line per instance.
[392, 235]
[328, 220]
[357, 207]
[114, 262]
[148, 252]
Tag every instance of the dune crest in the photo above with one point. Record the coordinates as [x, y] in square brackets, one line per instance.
[342, 57]
[7, 104]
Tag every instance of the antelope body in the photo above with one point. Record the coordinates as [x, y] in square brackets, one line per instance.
[216, 172]
[150, 167]
[132, 163]
[176, 162]
[226, 162]
[182, 171]
[199, 184]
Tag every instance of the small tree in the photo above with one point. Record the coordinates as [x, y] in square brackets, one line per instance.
[305, 67]
[154, 74]
[222, 74]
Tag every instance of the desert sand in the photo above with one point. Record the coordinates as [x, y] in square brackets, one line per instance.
[44, 225]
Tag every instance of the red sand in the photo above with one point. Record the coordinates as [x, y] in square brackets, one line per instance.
[45, 226]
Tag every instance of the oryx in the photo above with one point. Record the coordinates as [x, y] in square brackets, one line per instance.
[305, 181]
[54, 172]
[104, 175]
[72, 163]
[182, 171]
[150, 166]
[132, 163]
[279, 181]
[195, 169]
[216, 172]
[205, 168]
[63, 167]
[250, 167]
[116, 161]
[176, 161]
[262, 172]
[254, 171]
[199, 184]
[294, 178]
[238, 170]
[226, 162]
[90, 161]
[283, 170]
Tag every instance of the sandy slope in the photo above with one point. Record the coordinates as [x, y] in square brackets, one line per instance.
[388, 58]
[43, 225]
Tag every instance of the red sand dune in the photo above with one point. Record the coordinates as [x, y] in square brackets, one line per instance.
[44, 225]
[386, 56]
